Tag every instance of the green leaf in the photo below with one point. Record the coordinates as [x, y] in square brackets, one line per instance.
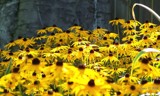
[9, 67]
[146, 50]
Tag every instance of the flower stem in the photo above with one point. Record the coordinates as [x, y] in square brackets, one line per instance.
[20, 89]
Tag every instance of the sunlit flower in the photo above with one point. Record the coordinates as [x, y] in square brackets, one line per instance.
[94, 87]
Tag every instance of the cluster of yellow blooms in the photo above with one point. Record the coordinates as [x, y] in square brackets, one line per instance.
[79, 62]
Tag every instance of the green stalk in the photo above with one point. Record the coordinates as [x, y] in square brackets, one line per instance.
[146, 50]
[8, 67]
[20, 89]
[117, 27]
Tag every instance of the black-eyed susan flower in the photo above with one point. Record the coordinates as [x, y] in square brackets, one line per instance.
[54, 29]
[146, 25]
[117, 21]
[74, 28]
[130, 24]
[25, 42]
[36, 87]
[89, 86]
[99, 31]
[130, 31]
[51, 92]
[10, 44]
[133, 89]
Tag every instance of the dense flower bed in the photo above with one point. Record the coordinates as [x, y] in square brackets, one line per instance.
[78, 62]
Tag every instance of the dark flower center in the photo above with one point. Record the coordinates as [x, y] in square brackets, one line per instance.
[10, 53]
[70, 82]
[118, 93]
[151, 26]
[109, 81]
[104, 38]
[144, 82]
[59, 63]
[116, 18]
[61, 40]
[129, 42]
[79, 40]
[132, 87]
[158, 38]
[20, 57]
[130, 28]
[147, 21]
[91, 83]
[34, 74]
[5, 91]
[81, 29]
[110, 54]
[145, 37]
[157, 81]
[36, 82]
[50, 92]
[145, 61]
[27, 49]
[98, 27]
[42, 48]
[24, 39]
[131, 39]
[67, 31]
[15, 70]
[128, 22]
[81, 66]
[80, 49]
[43, 75]
[54, 25]
[30, 56]
[91, 51]
[19, 37]
[127, 75]
[69, 51]
[75, 24]
[35, 61]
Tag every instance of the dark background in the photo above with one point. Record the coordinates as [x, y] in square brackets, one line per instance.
[24, 17]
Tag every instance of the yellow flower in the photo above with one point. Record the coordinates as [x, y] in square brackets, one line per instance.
[5, 92]
[54, 28]
[50, 92]
[127, 79]
[10, 44]
[116, 21]
[130, 31]
[104, 41]
[130, 24]
[89, 86]
[146, 25]
[75, 27]
[82, 33]
[99, 31]
[25, 42]
[110, 58]
[6, 54]
[35, 65]
[36, 87]
[41, 31]
[145, 42]
[133, 89]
